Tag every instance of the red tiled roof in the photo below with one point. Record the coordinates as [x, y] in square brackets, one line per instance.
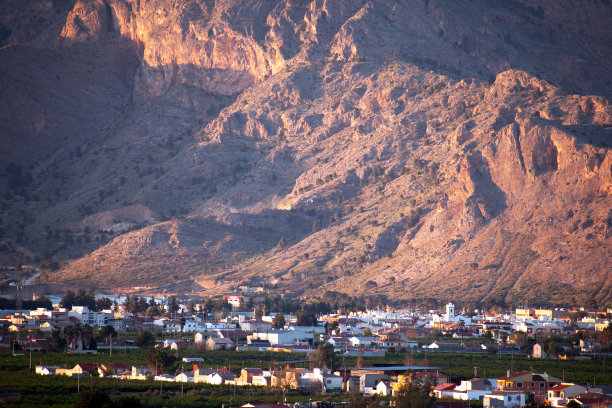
[592, 398]
[87, 367]
[445, 387]
[512, 375]
[560, 387]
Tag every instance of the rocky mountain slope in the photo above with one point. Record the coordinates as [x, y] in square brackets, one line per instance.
[418, 149]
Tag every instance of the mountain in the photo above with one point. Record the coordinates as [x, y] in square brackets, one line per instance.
[415, 150]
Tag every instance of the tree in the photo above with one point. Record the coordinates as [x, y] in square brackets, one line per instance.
[279, 321]
[87, 336]
[532, 403]
[159, 360]
[413, 395]
[103, 303]
[409, 359]
[152, 311]
[573, 404]
[330, 327]
[127, 402]
[359, 359]
[107, 332]
[128, 303]
[305, 318]
[208, 305]
[323, 356]
[68, 299]
[282, 243]
[367, 332]
[259, 313]
[145, 339]
[191, 307]
[92, 399]
[85, 298]
[56, 342]
[173, 306]
[358, 400]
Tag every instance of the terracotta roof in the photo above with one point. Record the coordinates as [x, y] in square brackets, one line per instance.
[514, 375]
[87, 367]
[115, 366]
[592, 397]
[560, 387]
[445, 387]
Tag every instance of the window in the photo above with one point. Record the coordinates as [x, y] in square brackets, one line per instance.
[541, 385]
[519, 384]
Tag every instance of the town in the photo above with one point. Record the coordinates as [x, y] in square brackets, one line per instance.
[322, 343]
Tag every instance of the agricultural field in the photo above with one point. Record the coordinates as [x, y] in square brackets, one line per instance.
[60, 391]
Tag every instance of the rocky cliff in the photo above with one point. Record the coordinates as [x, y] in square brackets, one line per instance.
[422, 149]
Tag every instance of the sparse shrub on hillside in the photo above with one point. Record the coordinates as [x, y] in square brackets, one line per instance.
[316, 226]
[413, 218]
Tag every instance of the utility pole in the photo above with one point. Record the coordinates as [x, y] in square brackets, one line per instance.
[19, 290]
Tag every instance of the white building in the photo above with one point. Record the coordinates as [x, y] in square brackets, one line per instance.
[276, 337]
[362, 341]
[505, 399]
[46, 370]
[329, 381]
[474, 389]
[560, 395]
[184, 377]
[449, 316]
[86, 316]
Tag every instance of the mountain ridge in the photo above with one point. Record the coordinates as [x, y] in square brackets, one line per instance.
[363, 147]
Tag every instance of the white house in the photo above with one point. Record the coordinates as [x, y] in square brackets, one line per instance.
[140, 373]
[190, 326]
[220, 377]
[184, 377]
[168, 343]
[164, 377]
[506, 399]
[256, 325]
[329, 381]
[276, 337]
[383, 388]
[261, 380]
[365, 341]
[199, 338]
[473, 390]
[46, 370]
[560, 395]
[368, 382]
[86, 316]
